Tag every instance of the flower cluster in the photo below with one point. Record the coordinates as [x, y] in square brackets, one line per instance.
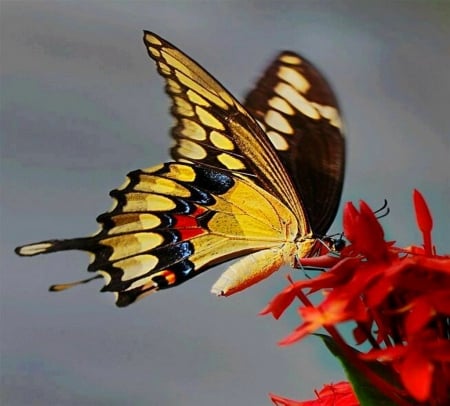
[399, 301]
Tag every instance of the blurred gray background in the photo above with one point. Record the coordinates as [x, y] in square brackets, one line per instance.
[82, 105]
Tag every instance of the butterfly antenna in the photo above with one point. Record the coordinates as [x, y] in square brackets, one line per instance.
[384, 208]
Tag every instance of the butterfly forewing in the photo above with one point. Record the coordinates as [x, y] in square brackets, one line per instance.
[213, 129]
[297, 109]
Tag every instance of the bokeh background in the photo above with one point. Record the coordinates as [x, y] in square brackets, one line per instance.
[82, 105]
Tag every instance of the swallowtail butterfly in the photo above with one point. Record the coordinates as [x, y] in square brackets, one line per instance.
[259, 181]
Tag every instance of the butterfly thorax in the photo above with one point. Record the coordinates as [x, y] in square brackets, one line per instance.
[305, 246]
[302, 247]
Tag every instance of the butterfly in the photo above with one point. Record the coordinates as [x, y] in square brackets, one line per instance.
[259, 181]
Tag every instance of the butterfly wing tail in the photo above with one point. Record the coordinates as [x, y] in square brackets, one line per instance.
[63, 286]
[45, 247]
[48, 246]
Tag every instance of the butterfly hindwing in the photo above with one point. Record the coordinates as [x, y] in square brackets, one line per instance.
[298, 110]
[173, 221]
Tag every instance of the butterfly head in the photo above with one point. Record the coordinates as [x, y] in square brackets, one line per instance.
[330, 244]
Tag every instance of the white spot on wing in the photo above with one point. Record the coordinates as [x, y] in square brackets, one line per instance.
[278, 122]
[331, 114]
[291, 59]
[281, 105]
[34, 249]
[294, 78]
[278, 141]
[297, 100]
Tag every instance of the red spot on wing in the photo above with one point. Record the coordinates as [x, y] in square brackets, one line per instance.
[188, 226]
[182, 221]
[198, 211]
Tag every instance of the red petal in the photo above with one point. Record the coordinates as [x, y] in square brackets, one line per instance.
[416, 373]
[441, 301]
[280, 401]
[385, 354]
[360, 334]
[371, 220]
[279, 303]
[374, 245]
[424, 220]
[338, 394]
[349, 220]
[423, 215]
[439, 350]
[364, 231]
[296, 335]
[420, 314]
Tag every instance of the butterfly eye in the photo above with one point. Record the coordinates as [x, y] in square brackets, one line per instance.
[337, 245]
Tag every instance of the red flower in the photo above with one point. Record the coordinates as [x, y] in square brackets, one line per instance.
[417, 362]
[364, 231]
[398, 298]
